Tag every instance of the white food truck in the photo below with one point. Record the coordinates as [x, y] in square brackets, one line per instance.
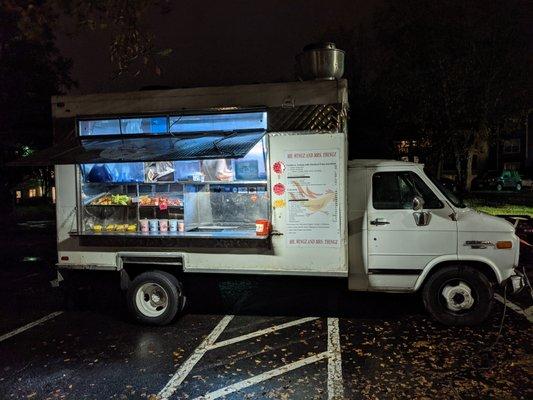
[255, 179]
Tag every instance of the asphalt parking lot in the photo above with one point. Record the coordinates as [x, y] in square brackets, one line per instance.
[245, 337]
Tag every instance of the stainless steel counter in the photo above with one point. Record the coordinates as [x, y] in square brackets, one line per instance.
[221, 234]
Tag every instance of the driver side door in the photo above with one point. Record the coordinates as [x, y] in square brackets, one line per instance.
[396, 244]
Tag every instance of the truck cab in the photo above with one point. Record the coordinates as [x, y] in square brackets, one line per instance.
[407, 232]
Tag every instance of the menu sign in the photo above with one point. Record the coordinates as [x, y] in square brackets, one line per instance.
[312, 198]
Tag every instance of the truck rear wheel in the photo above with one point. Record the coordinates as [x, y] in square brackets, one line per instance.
[155, 297]
[458, 295]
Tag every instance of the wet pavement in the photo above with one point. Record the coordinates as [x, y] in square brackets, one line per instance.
[251, 337]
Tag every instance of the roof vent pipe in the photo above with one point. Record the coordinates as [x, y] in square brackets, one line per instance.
[320, 61]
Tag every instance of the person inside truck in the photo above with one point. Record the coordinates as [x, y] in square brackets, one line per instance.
[217, 170]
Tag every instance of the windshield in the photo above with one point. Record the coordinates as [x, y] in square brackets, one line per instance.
[451, 196]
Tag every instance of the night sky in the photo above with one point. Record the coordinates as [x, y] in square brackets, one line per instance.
[218, 42]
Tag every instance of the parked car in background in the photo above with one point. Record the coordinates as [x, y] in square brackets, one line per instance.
[493, 180]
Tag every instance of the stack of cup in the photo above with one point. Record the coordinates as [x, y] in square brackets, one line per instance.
[144, 225]
[153, 224]
[173, 225]
[163, 225]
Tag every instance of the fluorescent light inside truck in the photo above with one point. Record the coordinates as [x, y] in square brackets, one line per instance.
[158, 125]
[217, 122]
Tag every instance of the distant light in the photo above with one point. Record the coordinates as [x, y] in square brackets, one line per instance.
[26, 151]
[31, 259]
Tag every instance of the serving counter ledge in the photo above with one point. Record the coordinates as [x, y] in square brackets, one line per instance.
[222, 234]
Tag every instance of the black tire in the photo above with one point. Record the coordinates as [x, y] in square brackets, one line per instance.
[171, 288]
[499, 187]
[518, 187]
[481, 292]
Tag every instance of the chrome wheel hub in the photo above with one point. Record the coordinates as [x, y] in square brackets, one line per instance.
[151, 299]
[458, 297]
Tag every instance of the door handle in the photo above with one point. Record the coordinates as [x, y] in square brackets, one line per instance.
[422, 218]
[379, 221]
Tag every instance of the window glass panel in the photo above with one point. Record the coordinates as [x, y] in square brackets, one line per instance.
[252, 166]
[159, 171]
[217, 122]
[113, 172]
[100, 127]
[177, 124]
[187, 170]
[419, 188]
[144, 125]
[385, 191]
[395, 191]
[511, 146]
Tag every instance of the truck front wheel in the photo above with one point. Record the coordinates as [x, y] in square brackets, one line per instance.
[155, 297]
[458, 295]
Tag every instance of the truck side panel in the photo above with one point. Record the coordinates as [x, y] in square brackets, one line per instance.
[280, 257]
[286, 258]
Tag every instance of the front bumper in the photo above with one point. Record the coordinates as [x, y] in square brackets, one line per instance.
[515, 283]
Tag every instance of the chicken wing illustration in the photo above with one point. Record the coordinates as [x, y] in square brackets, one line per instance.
[311, 194]
[318, 204]
[292, 196]
[305, 193]
[314, 202]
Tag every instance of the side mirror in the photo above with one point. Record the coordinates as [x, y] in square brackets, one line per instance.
[418, 203]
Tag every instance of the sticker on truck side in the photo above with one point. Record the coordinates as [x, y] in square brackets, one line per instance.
[312, 198]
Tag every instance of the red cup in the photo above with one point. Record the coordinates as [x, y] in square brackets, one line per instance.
[262, 227]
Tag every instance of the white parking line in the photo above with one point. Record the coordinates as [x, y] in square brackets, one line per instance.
[188, 365]
[335, 384]
[30, 325]
[263, 377]
[261, 332]
[528, 313]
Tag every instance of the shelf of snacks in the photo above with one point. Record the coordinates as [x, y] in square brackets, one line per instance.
[107, 199]
[160, 201]
[114, 228]
[111, 212]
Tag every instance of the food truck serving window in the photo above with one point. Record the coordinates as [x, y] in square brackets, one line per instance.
[210, 198]
[201, 176]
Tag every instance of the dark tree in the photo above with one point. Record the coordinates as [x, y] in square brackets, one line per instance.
[32, 70]
[132, 48]
[453, 72]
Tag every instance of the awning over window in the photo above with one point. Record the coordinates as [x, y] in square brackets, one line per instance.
[100, 149]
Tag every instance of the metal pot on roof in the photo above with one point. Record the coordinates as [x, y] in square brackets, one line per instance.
[320, 61]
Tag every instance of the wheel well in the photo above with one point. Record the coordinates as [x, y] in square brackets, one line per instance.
[130, 271]
[485, 269]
